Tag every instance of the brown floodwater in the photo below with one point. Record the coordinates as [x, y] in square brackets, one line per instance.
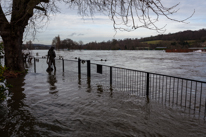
[63, 104]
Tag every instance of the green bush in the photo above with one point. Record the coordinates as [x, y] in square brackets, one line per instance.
[1, 49]
[3, 88]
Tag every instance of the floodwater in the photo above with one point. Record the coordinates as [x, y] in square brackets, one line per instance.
[187, 65]
[62, 104]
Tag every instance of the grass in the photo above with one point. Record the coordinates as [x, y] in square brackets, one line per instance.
[191, 42]
[153, 42]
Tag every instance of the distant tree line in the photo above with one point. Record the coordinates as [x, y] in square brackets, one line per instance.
[114, 44]
[199, 35]
[66, 43]
[29, 45]
[180, 40]
[135, 44]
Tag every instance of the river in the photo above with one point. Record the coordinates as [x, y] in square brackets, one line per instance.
[187, 65]
[58, 104]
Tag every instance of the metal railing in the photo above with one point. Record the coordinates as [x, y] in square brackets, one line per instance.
[187, 94]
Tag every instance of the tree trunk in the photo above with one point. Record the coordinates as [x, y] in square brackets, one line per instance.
[13, 50]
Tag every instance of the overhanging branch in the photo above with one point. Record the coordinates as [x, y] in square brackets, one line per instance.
[42, 9]
[46, 1]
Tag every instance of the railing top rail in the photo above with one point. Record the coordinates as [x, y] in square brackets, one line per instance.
[154, 73]
[57, 59]
[136, 70]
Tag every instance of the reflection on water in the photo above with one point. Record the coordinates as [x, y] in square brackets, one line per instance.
[52, 80]
[15, 117]
[88, 111]
[88, 85]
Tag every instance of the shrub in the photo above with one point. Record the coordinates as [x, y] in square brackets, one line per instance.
[3, 86]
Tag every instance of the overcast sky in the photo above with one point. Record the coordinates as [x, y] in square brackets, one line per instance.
[68, 24]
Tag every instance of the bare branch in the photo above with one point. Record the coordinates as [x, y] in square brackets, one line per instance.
[129, 15]
[42, 9]
[126, 15]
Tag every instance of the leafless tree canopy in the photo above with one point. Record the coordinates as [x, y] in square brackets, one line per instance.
[34, 13]
[56, 42]
[125, 14]
[17, 16]
[129, 14]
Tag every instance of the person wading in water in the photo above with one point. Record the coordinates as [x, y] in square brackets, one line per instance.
[50, 59]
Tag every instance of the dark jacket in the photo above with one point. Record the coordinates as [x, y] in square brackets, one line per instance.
[51, 54]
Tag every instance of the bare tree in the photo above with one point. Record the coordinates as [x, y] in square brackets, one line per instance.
[17, 16]
[129, 15]
[67, 43]
[56, 42]
[81, 43]
[29, 44]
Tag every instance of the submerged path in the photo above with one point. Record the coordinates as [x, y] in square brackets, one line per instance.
[60, 104]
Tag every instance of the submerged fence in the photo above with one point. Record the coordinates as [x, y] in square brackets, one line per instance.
[170, 90]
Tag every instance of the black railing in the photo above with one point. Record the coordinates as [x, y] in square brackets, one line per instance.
[170, 90]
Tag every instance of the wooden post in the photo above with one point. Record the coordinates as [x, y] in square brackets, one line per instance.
[147, 86]
[88, 68]
[110, 76]
[205, 107]
[79, 66]
[63, 64]
[34, 65]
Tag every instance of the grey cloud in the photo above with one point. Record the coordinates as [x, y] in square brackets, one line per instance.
[80, 34]
[76, 34]
[73, 34]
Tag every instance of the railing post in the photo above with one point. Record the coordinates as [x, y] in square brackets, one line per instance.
[205, 107]
[1, 61]
[79, 66]
[147, 86]
[63, 64]
[110, 76]
[88, 68]
[34, 65]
